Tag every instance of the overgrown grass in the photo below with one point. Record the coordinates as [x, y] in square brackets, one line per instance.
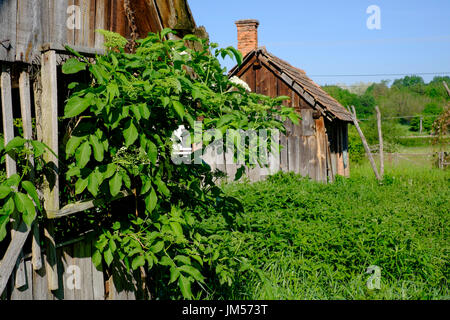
[300, 239]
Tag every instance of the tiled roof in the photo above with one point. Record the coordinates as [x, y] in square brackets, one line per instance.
[321, 99]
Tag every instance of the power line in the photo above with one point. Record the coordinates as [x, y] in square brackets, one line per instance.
[380, 74]
[403, 117]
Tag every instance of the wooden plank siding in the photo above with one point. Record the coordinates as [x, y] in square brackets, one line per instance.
[25, 26]
[305, 147]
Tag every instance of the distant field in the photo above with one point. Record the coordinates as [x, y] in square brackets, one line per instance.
[305, 240]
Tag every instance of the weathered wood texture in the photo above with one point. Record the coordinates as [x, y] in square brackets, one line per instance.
[78, 278]
[27, 25]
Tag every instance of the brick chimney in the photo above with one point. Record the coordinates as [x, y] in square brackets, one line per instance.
[247, 35]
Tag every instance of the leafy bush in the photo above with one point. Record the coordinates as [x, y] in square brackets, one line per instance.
[431, 112]
[122, 141]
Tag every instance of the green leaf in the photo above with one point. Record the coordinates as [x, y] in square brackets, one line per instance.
[185, 287]
[177, 229]
[144, 111]
[293, 117]
[138, 261]
[16, 142]
[136, 112]
[193, 272]
[112, 245]
[80, 185]
[9, 205]
[179, 108]
[4, 191]
[237, 54]
[75, 106]
[72, 66]
[38, 148]
[146, 184]
[97, 259]
[126, 179]
[152, 152]
[97, 147]
[4, 219]
[165, 32]
[130, 133]
[26, 207]
[108, 257]
[157, 247]
[29, 187]
[183, 259]
[13, 181]
[72, 145]
[162, 188]
[111, 168]
[83, 154]
[93, 183]
[174, 274]
[151, 200]
[115, 184]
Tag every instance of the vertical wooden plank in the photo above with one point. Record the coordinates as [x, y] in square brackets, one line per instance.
[24, 292]
[49, 125]
[86, 271]
[28, 29]
[7, 113]
[11, 169]
[274, 153]
[312, 152]
[321, 150]
[85, 23]
[100, 17]
[8, 19]
[70, 32]
[231, 167]
[40, 285]
[307, 122]
[340, 158]
[25, 108]
[49, 110]
[345, 150]
[284, 165]
[98, 282]
[58, 22]
[68, 272]
[330, 172]
[303, 156]
[77, 262]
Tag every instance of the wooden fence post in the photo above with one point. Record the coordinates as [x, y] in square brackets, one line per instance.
[364, 141]
[446, 87]
[380, 138]
[25, 110]
[49, 127]
[11, 168]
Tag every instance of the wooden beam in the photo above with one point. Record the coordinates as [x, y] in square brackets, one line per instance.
[7, 113]
[380, 137]
[81, 206]
[49, 125]
[446, 87]
[25, 109]
[12, 254]
[364, 141]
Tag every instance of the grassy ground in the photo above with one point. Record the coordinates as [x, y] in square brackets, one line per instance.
[306, 240]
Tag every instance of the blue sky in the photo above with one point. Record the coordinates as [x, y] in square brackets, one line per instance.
[330, 37]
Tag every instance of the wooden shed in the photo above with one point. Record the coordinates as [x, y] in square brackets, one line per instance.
[33, 35]
[318, 146]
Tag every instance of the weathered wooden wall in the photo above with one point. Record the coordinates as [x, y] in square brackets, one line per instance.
[27, 25]
[78, 278]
